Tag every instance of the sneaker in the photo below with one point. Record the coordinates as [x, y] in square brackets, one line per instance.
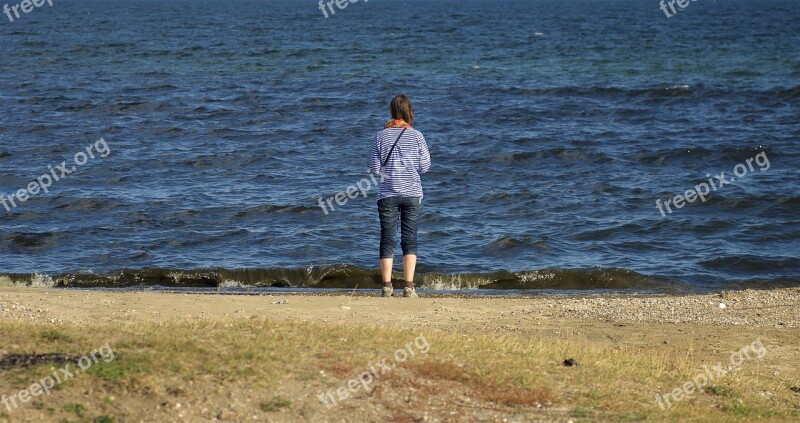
[387, 292]
[410, 293]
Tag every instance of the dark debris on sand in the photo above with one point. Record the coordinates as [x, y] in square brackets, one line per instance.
[571, 362]
[23, 361]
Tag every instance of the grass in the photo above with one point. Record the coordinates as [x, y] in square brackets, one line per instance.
[52, 335]
[78, 409]
[275, 404]
[718, 390]
[162, 368]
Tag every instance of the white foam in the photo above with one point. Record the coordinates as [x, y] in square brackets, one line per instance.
[536, 276]
[230, 283]
[453, 283]
[41, 281]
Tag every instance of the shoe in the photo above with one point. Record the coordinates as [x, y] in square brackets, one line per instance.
[410, 293]
[387, 292]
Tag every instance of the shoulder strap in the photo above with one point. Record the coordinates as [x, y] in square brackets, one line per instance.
[395, 145]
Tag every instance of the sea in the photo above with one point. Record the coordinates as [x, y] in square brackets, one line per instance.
[190, 143]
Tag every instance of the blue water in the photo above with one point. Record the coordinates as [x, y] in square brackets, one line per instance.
[554, 126]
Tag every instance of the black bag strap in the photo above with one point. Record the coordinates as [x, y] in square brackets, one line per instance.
[395, 145]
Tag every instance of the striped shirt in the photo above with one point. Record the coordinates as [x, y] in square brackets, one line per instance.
[410, 159]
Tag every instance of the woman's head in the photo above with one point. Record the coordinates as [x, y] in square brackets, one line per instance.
[401, 108]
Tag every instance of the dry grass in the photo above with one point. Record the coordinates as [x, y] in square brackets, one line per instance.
[229, 370]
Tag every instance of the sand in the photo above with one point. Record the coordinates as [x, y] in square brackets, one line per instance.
[740, 311]
[663, 324]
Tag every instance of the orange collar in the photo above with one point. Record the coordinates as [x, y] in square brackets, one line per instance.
[397, 123]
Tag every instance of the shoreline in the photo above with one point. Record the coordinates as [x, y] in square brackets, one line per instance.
[348, 277]
[729, 308]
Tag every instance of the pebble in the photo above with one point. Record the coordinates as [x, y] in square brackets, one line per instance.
[764, 308]
[774, 308]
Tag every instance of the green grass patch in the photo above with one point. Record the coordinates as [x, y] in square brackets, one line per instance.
[582, 412]
[72, 407]
[53, 335]
[275, 404]
[122, 366]
[718, 390]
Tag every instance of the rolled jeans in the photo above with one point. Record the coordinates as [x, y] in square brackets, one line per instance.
[406, 210]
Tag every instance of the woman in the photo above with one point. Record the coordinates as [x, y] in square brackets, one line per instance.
[400, 155]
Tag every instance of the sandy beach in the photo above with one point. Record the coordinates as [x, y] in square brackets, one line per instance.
[667, 337]
[202, 204]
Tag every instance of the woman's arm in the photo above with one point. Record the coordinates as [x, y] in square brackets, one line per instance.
[424, 155]
[375, 158]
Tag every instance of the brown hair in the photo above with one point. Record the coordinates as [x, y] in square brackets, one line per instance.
[401, 108]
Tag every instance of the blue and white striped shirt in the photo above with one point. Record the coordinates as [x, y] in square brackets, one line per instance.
[409, 160]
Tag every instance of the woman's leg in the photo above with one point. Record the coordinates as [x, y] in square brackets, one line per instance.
[389, 213]
[386, 271]
[409, 266]
[409, 216]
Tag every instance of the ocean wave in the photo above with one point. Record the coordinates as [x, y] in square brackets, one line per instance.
[31, 241]
[274, 208]
[789, 92]
[750, 263]
[567, 154]
[508, 245]
[723, 153]
[348, 276]
[600, 91]
[84, 204]
[652, 93]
